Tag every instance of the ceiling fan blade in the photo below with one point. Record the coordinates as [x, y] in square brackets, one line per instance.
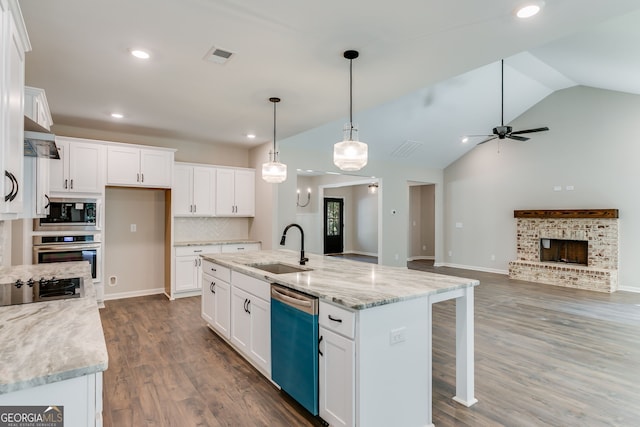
[530, 130]
[517, 138]
[487, 140]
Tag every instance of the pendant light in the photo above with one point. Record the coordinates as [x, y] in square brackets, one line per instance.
[274, 172]
[350, 154]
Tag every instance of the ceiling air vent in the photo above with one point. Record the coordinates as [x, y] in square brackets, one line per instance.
[406, 149]
[217, 55]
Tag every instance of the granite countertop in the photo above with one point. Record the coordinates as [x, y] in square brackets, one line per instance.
[215, 242]
[351, 284]
[46, 342]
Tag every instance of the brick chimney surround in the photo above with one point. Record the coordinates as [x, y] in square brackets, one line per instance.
[598, 227]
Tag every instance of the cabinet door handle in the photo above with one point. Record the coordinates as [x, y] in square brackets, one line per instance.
[212, 287]
[142, 176]
[319, 341]
[48, 201]
[71, 184]
[66, 184]
[335, 319]
[14, 183]
[249, 306]
[195, 208]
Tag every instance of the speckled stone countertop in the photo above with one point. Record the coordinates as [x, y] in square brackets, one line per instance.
[46, 342]
[352, 284]
[215, 242]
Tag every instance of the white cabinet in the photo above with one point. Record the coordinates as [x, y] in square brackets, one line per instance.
[37, 187]
[188, 267]
[80, 168]
[240, 247]
[80, 396]
[235, 192]
[129, 165]
[36, 106]
[251, 320]
[216, 298]
[13, 45]
[193, 191]
[336, 365]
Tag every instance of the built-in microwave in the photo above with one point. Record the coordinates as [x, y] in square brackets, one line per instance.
[70, 214]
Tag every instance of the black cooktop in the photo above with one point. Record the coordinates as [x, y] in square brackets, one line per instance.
[23, 292]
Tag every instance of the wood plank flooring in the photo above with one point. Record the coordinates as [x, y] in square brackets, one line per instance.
[545, 356]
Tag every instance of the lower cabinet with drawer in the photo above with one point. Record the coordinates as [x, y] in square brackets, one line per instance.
[336, 365]
[216, 297]
[251, 320]
[187, 268]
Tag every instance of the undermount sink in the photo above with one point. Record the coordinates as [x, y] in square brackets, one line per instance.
[279, 268]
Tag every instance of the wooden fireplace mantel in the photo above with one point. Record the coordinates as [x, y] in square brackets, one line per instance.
[567, 213]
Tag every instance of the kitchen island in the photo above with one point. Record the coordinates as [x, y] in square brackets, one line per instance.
[53, 353]
[383, 338]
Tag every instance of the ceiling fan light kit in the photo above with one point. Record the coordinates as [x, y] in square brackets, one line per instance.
[350, 154]
[502, 131]
[273, 171]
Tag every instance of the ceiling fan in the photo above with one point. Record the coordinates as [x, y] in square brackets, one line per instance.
[502, 131]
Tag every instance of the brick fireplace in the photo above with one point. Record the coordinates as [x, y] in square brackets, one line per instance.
[571, 248]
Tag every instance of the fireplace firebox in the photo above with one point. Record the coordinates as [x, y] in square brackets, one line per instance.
[564, 251]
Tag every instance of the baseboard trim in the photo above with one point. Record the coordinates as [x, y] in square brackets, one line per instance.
[475, 268]
[629, 289]
[133, 294]
[360, 253]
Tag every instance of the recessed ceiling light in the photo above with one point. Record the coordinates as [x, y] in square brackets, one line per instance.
[117, 115]
[529, 10]
[251, 135]
[465, 139]
[140, 54]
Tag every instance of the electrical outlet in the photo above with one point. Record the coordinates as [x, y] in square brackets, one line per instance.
[493, 257]
[134, 228]
[450, 253]
[397, 335]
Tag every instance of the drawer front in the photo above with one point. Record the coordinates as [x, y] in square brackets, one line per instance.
[337, 319]
[240, 247]
[215, 270]
[254, 286]
[197, 250]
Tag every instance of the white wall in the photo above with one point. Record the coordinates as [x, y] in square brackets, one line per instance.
[592, 145]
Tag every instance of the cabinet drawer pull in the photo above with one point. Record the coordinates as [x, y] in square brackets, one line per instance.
[212, 287]
[319, 341]
[335, 319]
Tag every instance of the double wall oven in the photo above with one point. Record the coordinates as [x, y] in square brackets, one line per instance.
[71, 232]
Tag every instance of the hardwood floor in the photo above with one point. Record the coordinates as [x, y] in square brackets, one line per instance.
[545, 356]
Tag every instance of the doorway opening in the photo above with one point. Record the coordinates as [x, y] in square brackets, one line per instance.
[333, 225]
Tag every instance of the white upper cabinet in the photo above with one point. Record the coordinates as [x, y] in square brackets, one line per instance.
[193, 191]
[36, 107]
[235, 192]
[13, 45]
[80, 168]
[134, 166]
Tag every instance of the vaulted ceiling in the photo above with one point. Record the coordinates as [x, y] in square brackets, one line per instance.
[428, 71]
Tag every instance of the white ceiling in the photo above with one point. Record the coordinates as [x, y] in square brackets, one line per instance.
[428, 70]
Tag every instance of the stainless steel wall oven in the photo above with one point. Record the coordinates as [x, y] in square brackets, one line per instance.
[64, 248]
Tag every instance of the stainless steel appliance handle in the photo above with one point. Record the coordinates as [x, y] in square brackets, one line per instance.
[296, 301]
[60, 248]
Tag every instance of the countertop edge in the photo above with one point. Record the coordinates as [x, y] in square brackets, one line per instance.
[281, 280]
[215, 242]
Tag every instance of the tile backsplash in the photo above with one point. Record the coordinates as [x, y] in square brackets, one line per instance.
[210, 229]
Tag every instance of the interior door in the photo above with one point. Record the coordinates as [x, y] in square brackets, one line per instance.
[333, 225]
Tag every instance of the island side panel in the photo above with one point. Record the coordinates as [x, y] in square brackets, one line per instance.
[393, 378]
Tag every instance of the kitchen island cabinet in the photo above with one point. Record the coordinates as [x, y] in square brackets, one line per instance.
[65, 348]
[382, 345]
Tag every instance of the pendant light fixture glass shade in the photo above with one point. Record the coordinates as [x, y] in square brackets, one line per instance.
[350, 154]
[273, 171]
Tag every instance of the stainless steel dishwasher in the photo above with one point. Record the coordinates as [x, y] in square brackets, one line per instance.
[294, 345]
